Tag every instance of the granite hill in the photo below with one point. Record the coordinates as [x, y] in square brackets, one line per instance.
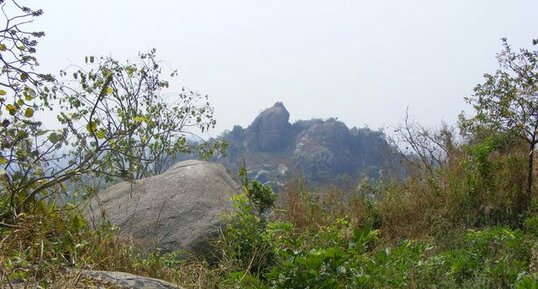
[319, 151]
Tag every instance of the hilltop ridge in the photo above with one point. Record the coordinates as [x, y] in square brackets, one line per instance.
[321, 151]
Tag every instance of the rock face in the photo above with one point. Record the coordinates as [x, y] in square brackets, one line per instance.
[321, 151]
[179, 209]
[92, 279]
[269, 131]
[126, 280]
[324, 149]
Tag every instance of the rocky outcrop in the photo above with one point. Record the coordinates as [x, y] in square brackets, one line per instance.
[126, 280]
[269, 132]
[324, 149]
[91, 279]
[321, 151]
[179, 209]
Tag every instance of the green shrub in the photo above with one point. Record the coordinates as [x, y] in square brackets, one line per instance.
[245, 240]
[531, 225]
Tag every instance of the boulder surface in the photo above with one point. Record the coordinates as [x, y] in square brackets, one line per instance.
[126, 280]
[179, 209]
[268, 132]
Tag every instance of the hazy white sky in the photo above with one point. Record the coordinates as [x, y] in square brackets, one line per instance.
[361, 61]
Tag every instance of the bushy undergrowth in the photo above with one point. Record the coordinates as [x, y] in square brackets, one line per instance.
[466, 224]
[347, 254]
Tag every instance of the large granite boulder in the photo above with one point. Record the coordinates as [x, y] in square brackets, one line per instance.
[270, 130]
[179, 209]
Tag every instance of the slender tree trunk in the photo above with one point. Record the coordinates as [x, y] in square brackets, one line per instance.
[530, 173]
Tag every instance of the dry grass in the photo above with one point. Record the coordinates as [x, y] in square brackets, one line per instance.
[428, 205]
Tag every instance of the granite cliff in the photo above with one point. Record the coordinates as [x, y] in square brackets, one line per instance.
[320, 151]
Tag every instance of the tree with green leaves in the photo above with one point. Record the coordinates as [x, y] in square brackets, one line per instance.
[113, 120]
[508, 100]
[121, 111]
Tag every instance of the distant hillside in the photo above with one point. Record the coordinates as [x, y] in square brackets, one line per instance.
[320, 151]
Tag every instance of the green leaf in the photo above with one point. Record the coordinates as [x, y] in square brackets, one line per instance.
[91, 127]
[101, 134]
[27, 96]
[3, 160]
[130, 70]
[54, 138]
[139, 119]
[2, 92]
[29, 112]
[24, 76]
[109, 90]
[11, 109]
[21, 155]
[3, 47]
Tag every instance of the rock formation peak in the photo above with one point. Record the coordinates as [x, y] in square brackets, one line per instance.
[319, 150]
[269, 130]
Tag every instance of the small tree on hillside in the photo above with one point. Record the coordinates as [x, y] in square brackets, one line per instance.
[121, 110]
[508, 100]
[113, 121]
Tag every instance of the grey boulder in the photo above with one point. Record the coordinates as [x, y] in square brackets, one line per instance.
[269, 131]
[126, 280]
[179, 209]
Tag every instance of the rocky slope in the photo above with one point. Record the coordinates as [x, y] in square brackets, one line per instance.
[320, 151]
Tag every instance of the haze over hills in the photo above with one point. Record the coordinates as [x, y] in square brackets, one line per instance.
[319, 151]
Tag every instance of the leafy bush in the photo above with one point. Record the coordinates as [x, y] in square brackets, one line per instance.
[245, 238]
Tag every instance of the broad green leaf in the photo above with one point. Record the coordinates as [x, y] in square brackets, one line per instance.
[29, 112]
[91, 127]
[109, 90]
[101, 134]
[27, 96]
[24, 76]
[54, 138]
[11, 109]
[3, 160]
[2, 92]
[3, 47]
